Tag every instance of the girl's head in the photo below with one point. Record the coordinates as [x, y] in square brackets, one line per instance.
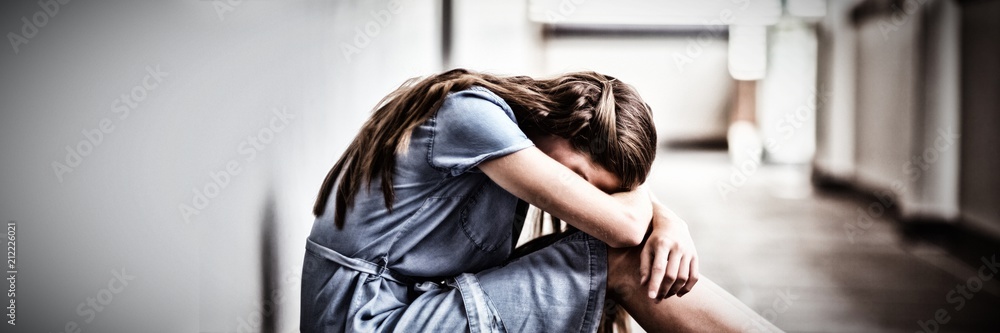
[572, 116]
[599, 117]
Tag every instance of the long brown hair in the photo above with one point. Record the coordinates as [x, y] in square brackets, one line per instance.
[600, 115]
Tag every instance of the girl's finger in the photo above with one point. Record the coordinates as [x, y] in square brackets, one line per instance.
[692, 277]
[670, 276]
[645, 259]
[682, 276]
[656, 273]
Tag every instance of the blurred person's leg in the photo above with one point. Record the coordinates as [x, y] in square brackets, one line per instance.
[744, 138]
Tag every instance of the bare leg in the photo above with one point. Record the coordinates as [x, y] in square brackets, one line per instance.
[707, 308]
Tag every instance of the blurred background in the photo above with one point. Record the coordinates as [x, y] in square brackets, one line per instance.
[836, 160]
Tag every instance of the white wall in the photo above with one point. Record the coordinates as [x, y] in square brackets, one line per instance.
[941, 113]
[894, 132]
[787, 96]
[495, 36]
[689, 98]
[886, 104]
[225, 74]
[836, 92]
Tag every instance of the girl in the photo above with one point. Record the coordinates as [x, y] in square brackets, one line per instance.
[417, 221]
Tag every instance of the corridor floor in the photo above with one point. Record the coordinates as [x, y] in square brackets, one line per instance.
[826, 261]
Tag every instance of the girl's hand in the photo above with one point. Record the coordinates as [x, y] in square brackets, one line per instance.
[669, 261]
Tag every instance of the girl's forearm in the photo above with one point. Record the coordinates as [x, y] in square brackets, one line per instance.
[640, 202]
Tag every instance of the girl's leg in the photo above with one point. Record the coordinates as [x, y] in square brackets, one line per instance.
[707, 308]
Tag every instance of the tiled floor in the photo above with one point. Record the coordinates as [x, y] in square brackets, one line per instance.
[785, 250]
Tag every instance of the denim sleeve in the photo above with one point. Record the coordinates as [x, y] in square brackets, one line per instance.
[473, 126]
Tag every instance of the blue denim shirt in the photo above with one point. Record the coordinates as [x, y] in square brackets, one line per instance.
[448, 218]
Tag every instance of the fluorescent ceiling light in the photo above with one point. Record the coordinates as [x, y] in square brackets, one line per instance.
[645, 12]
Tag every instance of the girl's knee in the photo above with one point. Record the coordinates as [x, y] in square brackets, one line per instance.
[623, 271]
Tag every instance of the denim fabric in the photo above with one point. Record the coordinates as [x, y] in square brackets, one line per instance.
[440, 259]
